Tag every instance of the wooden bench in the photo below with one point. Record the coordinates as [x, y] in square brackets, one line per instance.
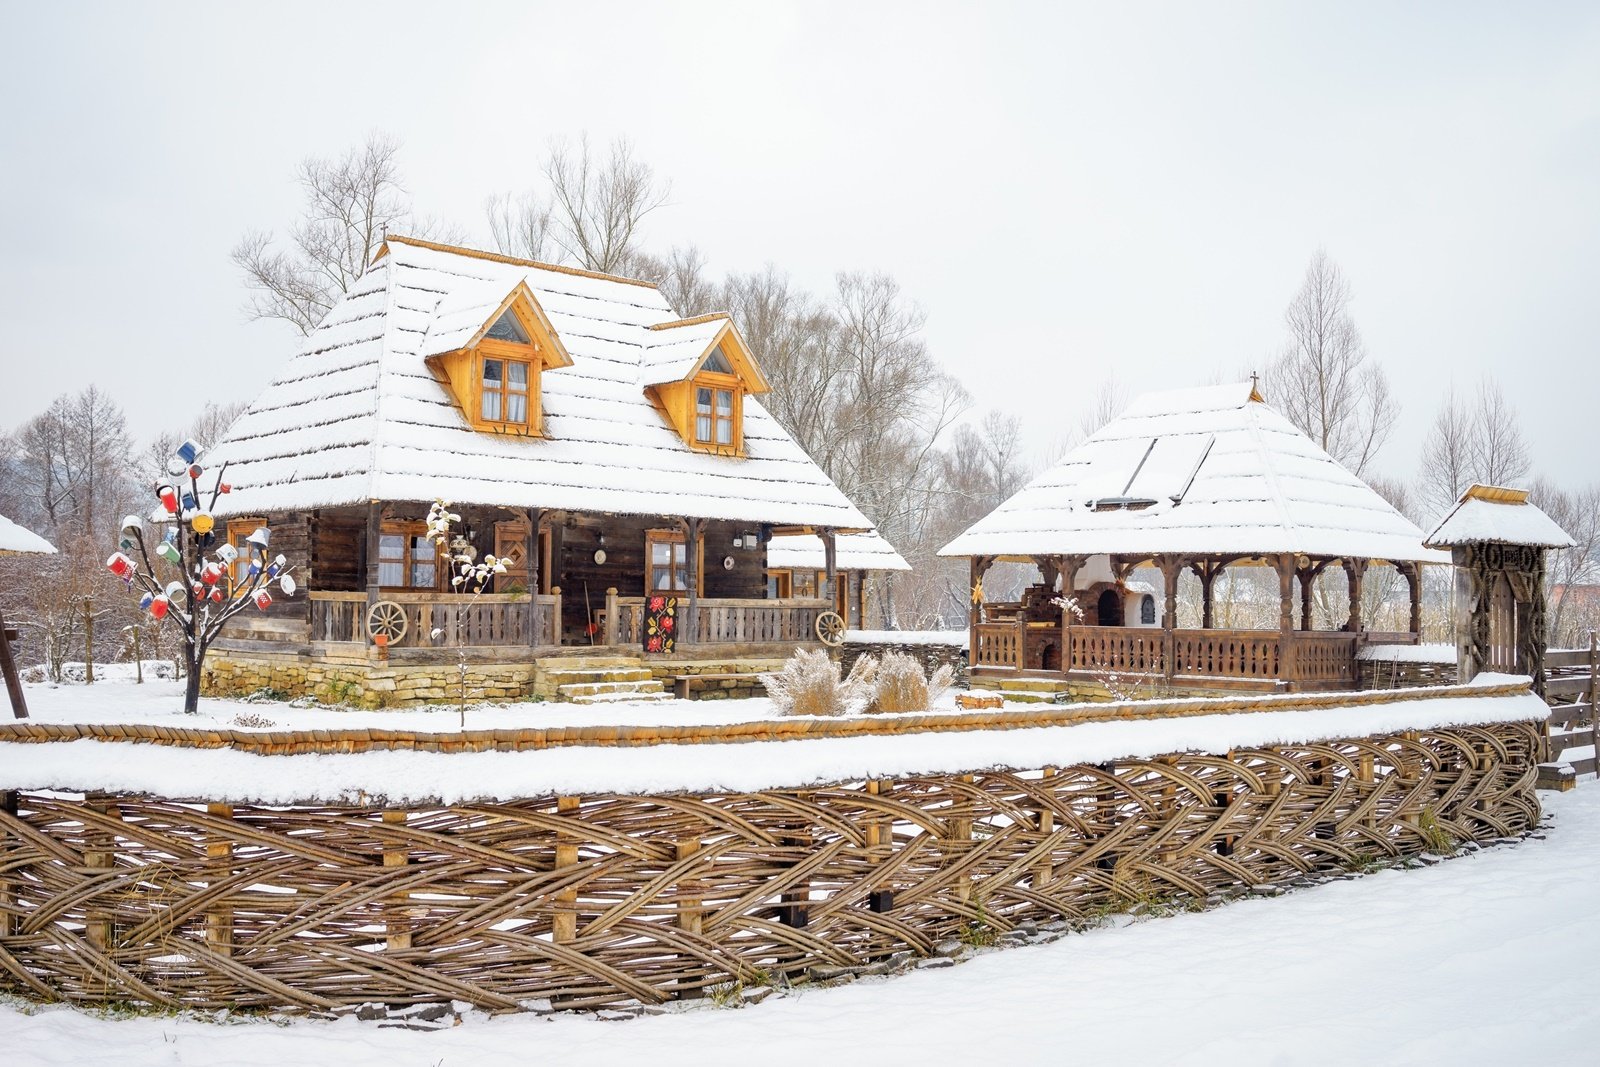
[683, 684]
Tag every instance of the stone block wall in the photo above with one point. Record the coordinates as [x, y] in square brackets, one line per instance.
[748, 684]
[931, 656]
[361, 683]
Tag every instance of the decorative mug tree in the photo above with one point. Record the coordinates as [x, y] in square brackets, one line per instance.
[214, 580]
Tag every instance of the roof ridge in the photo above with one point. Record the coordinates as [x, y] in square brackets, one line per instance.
[710, 316]
[496, 257]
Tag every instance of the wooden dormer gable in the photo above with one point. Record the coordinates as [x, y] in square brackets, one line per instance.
[491, 356]
[701, 373]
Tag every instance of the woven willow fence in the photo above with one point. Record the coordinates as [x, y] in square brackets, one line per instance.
[595, 900]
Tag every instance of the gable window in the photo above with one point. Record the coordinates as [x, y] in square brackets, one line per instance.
[713, 415]
[507, 328]
[406, 558]
[717, 362]
[504, 396]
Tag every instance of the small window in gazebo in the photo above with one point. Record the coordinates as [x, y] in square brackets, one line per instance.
[1147, 610]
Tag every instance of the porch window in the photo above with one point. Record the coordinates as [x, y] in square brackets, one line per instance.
[780, 585]
[406, 558]
[504, 396]
[667, 562]
[713, 416]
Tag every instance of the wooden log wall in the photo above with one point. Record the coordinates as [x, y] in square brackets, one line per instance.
[604, 899]
[624, 568]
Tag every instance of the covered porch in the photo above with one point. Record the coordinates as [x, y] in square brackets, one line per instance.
[1114, 635]
[574, 582]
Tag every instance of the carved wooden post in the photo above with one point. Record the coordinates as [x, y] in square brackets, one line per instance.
[374, 582]
[689, 631]
[1413, 577]
[830, 566]
[612, 621]
[397, 926]
[555, 614]
[535, 518]
[1286, 665]
[1308, 582]
[219, 850]
[1069, 567]
[689, 909]
[959, 840]
[1355, 571]
[564, 919]
[1171, 567]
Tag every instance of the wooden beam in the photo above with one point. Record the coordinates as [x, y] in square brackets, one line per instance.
[19, 702]
[374, 531]
[535, 519]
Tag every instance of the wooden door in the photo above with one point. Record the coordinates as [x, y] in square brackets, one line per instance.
[511, 545]
[1502, 627]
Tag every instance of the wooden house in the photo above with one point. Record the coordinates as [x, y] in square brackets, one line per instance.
[610, 450]
[1188, 481]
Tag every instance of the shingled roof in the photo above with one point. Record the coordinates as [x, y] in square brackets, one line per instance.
[356, 415]
[1211, 470]
[19, 540]
[1494, 513]
[852, 552]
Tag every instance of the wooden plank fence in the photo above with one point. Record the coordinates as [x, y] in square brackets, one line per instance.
[1572, 688]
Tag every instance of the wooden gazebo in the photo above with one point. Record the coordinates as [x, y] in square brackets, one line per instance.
[16, 541]
[1197, 480]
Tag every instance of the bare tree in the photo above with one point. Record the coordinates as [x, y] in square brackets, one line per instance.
[1573, 610]
[682, 278]
[1109, 401]
[350, 202]
[207, 428]
[1479, 443]
[589, 212]
[1323, 381]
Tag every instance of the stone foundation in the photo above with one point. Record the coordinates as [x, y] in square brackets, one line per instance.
[361, 683]
[748, 684]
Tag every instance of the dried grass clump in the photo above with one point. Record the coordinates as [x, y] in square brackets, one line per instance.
[809, 684]
[902, 685]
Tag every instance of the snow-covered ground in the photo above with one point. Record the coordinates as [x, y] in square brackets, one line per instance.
[1483, 959]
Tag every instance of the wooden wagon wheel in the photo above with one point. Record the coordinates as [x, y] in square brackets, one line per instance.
[830, 628]
[388, 619]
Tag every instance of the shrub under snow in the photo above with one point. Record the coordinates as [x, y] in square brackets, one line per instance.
[902, 685]
[809, 684]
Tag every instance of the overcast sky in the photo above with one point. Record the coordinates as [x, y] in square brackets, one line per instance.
[1068, 192]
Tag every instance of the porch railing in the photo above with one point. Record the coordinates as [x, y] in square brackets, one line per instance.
[720, 621]
[1322, 660]
[492, 619]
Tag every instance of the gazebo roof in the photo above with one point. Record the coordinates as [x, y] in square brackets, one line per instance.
[16, 541]
[1206, 471]
[1494, 513]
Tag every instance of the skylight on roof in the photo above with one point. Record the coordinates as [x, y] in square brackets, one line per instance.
[508, 328]
[717, 362]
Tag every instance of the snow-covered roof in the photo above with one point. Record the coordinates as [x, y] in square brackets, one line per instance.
[1212, 470]
[852, 552]
[16, 540]
[356, 415]
[1494, 513]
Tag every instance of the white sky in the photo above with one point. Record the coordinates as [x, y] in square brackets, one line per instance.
[1068, 192]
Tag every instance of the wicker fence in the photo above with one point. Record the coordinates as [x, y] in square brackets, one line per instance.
[602, 899]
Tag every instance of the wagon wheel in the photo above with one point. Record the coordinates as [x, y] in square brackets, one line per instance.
[388, 619]
[830, 628]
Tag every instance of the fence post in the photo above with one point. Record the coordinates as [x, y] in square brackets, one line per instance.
[880, 842]
[1594, 698]
[99, 855]
[555, 614]
[1022, 642]
[564, 922]
[9, 924]
[611, 616]
[1045, 871]
[219, 850]
[397, 926]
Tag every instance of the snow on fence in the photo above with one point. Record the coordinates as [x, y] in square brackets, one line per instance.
[1572, 686]
[859, 840]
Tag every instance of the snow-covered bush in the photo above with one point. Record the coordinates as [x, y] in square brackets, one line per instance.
[809, 684]
[903, 686]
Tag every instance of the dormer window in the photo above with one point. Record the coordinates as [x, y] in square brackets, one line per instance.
[713, 417]
[698, 372]
[490, 357]
[504, 396]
